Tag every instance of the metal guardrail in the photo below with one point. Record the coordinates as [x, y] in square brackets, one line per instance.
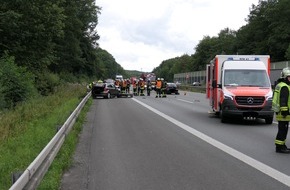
[33, 175]
[191, 88]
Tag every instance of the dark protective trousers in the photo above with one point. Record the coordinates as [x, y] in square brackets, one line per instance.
[158, 92]
[282, 132]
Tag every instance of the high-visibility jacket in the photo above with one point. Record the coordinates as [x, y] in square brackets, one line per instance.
[158, 84]
[276, 102]
[163, 84]
[128, 83]
[134, 84]
[124, 84]
[142, 84]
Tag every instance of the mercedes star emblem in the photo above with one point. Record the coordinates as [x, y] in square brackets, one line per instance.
[250, 100]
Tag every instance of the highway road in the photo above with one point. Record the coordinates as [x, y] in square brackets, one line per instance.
[150, 143]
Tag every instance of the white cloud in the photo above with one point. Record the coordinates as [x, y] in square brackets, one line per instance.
[140, 34]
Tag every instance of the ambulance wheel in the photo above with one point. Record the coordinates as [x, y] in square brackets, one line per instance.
[269, 120]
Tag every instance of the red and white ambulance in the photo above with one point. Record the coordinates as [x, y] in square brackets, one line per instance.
[239, 86]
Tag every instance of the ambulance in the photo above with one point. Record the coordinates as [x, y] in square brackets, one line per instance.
[238, 86]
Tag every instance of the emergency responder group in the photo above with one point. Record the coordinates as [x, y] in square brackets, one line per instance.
[140, 85]
[160, 86]
[123, 84]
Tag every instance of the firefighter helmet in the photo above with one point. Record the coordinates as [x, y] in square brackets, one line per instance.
[285, 73]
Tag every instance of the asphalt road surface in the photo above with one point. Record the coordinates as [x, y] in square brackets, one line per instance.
[173, 143]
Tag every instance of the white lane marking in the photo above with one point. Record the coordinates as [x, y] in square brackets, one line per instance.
[279, 176]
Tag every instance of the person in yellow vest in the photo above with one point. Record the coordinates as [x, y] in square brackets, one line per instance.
[142, 86]
[281, 106]
[91, 85]
[163, 88]
[148, 87]
[158, 86]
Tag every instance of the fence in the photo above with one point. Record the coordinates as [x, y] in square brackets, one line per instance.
[200, 76]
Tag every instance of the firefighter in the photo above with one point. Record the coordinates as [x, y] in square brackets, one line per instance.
[117, 83]
[163, 88]
[134, 84]
[281, 106]
[141, 86]
[121, 85]
[128, 86]
[124, 86]
[148, 87]
[91, 85]
[138, 87]
[158, 88]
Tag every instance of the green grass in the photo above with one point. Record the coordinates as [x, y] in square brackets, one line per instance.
[25, 131]
[64, 158]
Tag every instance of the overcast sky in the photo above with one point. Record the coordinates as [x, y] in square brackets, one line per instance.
[140, 34]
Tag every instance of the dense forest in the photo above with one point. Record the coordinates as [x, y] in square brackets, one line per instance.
[47, 43]
[267, 32]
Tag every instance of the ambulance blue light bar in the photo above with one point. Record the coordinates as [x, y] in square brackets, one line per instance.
[243, 59]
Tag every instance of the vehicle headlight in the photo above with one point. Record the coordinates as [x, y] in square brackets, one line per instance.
[228, 97]
[269, 96]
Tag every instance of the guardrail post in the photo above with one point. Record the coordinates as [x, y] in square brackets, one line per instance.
[58, 127]
[16, 176]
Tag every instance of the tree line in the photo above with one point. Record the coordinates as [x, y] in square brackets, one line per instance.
[46, 43]
[267, 32]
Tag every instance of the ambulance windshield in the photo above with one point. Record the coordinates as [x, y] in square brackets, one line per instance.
[257, 78]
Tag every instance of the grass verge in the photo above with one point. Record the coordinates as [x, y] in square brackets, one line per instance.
[64, 158]
[25, 131]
